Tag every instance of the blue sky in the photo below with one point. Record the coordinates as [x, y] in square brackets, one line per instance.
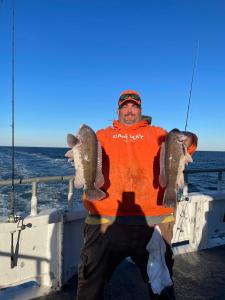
[73, 58]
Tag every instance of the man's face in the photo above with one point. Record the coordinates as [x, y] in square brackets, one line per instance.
[129, 113]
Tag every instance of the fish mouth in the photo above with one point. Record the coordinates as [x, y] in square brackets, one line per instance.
[181, 138]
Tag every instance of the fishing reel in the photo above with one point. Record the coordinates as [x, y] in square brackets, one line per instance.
[14, 218]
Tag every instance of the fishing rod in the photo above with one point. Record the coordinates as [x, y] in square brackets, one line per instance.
[192, 79]
[11, 216]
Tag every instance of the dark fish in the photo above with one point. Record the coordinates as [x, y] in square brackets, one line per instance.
[173, 157]
[87, 155]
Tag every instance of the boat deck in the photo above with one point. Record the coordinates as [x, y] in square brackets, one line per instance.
[197, 275]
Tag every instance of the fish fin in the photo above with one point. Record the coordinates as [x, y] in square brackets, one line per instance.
[69, 154]
[72, 140]
[99, 181]
[180, 181]
[94, 194]
[162, 175]
[162, 180]
[188, 158]
[180, 174]
[78, 180]
[170, 198]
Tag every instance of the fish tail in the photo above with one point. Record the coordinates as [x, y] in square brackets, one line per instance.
[170, 198]
[94, 194]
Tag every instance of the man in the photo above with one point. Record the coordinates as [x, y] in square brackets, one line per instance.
[122, 224]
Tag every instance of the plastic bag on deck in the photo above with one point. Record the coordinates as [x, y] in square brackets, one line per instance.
[158, 273]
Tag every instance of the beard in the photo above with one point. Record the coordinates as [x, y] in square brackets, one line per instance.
[131, 120]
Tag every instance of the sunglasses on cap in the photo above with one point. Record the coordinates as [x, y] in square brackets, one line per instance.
[126, 96]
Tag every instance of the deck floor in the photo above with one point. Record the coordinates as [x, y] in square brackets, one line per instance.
[198, 275]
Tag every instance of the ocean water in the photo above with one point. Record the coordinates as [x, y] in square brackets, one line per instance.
[35, 162]
[206, 182]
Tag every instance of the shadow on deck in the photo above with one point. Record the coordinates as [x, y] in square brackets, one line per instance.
[197, 275]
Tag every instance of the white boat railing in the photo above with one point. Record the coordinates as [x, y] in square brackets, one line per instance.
[35, 181]
[46, 247]
[219, 172]
[69, 179]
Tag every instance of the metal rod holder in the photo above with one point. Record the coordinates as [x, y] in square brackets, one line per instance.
[34, 199]
[70, 194]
